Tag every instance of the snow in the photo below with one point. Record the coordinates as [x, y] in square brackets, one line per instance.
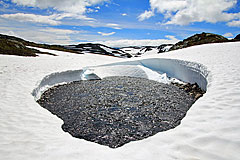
[130, 50]
[142, 51]
[157, 69]
[58, 53]
[107, 49]
[151, 52]
[210, 130]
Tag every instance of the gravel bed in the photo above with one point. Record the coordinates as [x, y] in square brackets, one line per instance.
[116, 110]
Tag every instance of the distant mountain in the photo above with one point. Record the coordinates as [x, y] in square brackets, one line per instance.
[146, 50]
[237, 38]
[164, 48]
[125, 52]
[199, 39]
[98, 49]
[16, 46]
[11, 45]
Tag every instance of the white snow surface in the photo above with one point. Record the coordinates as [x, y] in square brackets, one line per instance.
[142, 51]
[152, 52]
[209, 131]
[130, 50]
[107, 49]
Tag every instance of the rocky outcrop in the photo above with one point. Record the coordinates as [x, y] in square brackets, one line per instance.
[237, 38]
[192, 89]
[16, 46]
[198, 39]
[13, 47]
[164, 48]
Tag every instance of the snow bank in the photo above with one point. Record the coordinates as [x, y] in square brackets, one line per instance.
[190, 72]
[54, 79]
[161, 70]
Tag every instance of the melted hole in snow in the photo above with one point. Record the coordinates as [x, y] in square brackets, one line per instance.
[116, 110]
[113, 105]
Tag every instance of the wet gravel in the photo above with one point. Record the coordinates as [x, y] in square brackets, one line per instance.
[116, 110]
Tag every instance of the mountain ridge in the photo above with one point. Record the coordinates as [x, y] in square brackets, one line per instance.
[11, 45]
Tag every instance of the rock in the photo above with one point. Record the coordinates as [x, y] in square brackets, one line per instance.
[194, 86]
[198, 95]
[237, 37]
[164, 48]
[192, 89]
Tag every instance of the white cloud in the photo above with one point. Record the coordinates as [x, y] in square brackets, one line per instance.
[229, 35]
[6, 31]
[234, 23]
[106, 34]
[145, 15]
[54, 19]
[65, 8]
[59, 31]
[49, 35]
[168, 5]
[173, 38]
[183, 12]
[113, 25]
[90, 10]
[124, 14]
[22, 17]
[75, 16]
[143, 42]
[40, 36]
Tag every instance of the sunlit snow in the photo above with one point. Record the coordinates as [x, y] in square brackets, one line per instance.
[209, 131]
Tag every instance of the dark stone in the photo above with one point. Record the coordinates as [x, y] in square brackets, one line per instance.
[192, 89]
[116, 110]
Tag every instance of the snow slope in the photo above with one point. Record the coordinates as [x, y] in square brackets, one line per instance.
[210, 130]
[146, 50]
[138, 51]
[98, 49]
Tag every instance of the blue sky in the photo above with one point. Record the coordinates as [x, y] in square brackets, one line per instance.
[117, 22]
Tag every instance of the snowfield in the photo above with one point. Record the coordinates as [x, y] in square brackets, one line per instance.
[210, 130]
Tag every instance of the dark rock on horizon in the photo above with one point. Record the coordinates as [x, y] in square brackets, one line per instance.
[164, 48]
[10, 45]
[13, 47]
[199, 39]
[237, 37]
